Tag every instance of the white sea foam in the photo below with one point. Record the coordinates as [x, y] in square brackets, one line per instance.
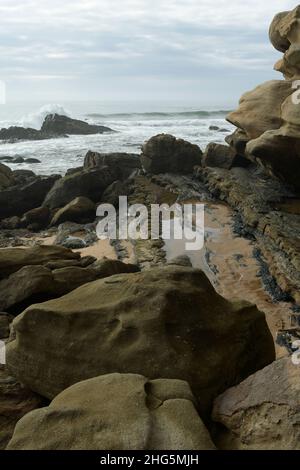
[35, 120]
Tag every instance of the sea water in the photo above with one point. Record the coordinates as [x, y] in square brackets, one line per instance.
[134, 122]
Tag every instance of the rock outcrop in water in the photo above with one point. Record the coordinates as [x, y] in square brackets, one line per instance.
[53, 126]
[269, 116]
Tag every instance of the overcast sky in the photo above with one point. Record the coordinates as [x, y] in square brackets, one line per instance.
[201, 51]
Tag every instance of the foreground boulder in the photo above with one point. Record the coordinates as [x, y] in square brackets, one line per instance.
[13, 259]
[16, 400]
[165, 322]
[116, 411]
[165, 153]
[88, 183]
[124, 163]
[263, 411]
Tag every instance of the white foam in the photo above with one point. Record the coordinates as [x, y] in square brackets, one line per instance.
[35, 120]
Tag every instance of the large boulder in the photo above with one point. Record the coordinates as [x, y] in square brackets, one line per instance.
[124, 163]
[16, 200]
[88, 183]
[13, 259]
[269, 116]
[81, 209]
[222, 156]
[165, 322]
[6, 176]
[56, 124]
[165, 153]
[14, 133]
[16, 400]
[116, 411]
[263, 411]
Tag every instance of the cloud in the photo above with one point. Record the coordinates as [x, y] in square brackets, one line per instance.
[165, 39]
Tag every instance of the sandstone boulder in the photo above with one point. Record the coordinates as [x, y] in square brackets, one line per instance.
[165, 153]
[124, 163]
[13, 259]
[222, 156]
[262, 412]
[88, 183]
[162, 322]
[16, 400]
[81, 210]
[116, 411]
[17, 200]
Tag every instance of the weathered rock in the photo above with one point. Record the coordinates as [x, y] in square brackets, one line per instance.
[55, 124]
[164, 153]
[88, 183]
[116, 411]
[222, 156]
[124, 163]
[238, 140]
[284, 35]
[16, 401]
[108, 267]
[6, 176]
[5, 320]
[114, 191]
[162, 322]
[17, 200]
[39, 216]
[13, 259]
[81, 210]
[32, 160]
[19, 133]
[23, 176]
[263, 411]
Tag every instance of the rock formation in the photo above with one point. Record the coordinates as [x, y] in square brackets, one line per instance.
[262, 412]
[116, 411]
[166, 322]
[53, 126]
[164, 153]
[269, 116]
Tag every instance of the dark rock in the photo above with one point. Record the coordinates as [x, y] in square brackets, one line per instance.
[6, 177]
[124, 163]
[222, 156]
[19, 199]
[19, 133]
[39, 215]
[23, 176]
[32, 160]
[18, 160]
[214, 128]
[74, 243]
[5, 320]
[56, 124]
[164, 153]
[114, 190]
[81, 210]
[88, 183]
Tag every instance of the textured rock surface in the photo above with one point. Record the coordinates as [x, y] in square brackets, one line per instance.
[80, 209]
[56, 124]
[6, 177]
[13, 259]
[269, 115]
[263, 411]
[163, 322]
[164, 153]
[116, 411]
[124, 163]
[15, 401]
[88, 183]
[222, 156]
[16, 200]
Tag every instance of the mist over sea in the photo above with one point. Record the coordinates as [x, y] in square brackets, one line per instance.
[134, 123]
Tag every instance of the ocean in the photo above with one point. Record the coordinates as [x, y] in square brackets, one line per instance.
[134, 123]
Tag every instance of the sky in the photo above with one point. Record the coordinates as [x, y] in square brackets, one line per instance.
[204, 52]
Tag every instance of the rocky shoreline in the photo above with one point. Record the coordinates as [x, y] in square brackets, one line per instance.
[132, 344]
